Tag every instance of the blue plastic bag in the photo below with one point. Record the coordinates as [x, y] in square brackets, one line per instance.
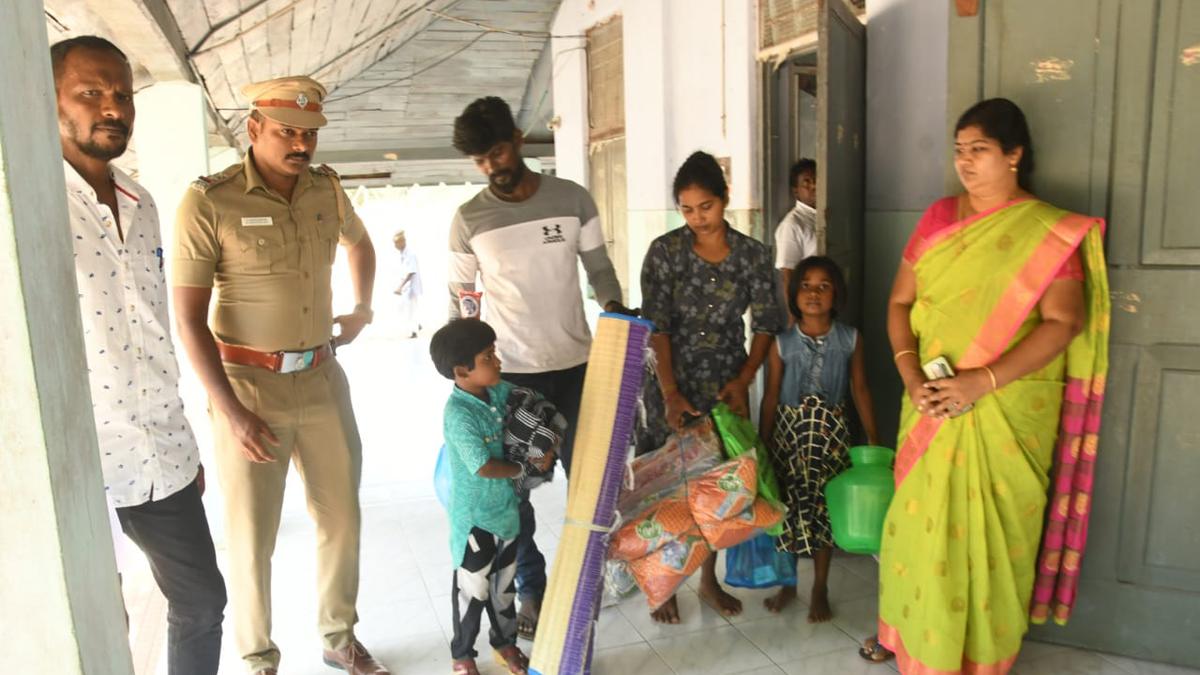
[758, 564]
[441, 478]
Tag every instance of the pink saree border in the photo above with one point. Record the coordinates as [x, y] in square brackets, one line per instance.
[1060, 241]
[890, 637]
[951, 230]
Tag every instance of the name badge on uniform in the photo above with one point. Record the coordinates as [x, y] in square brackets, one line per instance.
[258, 221]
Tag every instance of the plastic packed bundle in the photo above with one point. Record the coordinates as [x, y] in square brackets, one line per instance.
[652, 529]
[725, 491]
[742, 527]
[618, 582]
[662, 572]
[738, 435]
[658, 474]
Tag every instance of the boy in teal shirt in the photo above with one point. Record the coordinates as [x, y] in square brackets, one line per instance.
[483, 503]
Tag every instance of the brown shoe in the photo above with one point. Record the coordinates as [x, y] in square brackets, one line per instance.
[354, 659]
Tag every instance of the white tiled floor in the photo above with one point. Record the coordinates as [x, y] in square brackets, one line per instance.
[404, 605]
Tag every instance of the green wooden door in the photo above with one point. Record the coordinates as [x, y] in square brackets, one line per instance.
[1112, 92]
[841, 137]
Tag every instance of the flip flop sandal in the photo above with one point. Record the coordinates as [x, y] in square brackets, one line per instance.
[877, 653]
[465, 667]
[513, 659]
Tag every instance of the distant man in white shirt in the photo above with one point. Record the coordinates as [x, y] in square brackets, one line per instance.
[408, 291]
[149, 457]
[796, 235]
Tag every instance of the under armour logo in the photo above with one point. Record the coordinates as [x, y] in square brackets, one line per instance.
[553, 234]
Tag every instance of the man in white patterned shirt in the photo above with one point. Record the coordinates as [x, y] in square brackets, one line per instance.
[149, 457]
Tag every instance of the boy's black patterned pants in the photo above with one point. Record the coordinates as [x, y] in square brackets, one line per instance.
[485, 580]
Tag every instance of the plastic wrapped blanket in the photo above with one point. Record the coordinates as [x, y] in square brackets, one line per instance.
[658, 474]
[654, 527]
[724, 491]
[742, 527]
[738, 435]
[533, 428]
[661, 573]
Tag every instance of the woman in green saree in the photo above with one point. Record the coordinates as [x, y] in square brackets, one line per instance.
[1013, 293]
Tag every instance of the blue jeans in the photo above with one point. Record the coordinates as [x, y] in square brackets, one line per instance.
[563, 388]
[531, 564]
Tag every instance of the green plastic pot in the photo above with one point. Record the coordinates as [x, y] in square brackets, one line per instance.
[858, 499]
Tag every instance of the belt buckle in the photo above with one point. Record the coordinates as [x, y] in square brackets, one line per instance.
[296, 361]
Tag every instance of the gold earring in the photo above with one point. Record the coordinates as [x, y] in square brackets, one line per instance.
[1012, 168]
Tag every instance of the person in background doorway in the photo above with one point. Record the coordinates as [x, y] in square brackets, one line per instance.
[148, 455]
[408, 290]
[796, 234]
[525, 235]
[697, 283]
[1013, 293]
[264, 233]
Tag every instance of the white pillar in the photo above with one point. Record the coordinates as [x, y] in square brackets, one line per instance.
[172, 144]
[61, 606]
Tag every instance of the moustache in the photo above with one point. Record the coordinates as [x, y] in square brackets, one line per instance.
[299, 155]
[112, 126]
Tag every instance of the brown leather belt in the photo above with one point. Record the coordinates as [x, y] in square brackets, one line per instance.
[279, 362]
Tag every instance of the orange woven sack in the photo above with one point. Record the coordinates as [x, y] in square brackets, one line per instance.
[661, 573]
[725, 491]
[653, 528]
[742, 527]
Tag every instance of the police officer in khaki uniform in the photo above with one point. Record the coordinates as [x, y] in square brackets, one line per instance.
[264, 234]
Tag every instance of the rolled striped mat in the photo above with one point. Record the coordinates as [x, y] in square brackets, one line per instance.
[610, 395]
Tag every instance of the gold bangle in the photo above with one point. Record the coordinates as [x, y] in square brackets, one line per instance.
[667, 391]
[896, 358]
[993, 376]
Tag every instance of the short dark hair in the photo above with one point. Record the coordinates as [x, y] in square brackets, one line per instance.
[1002, 120]
[458, 343]
[818, 262]
[60, 49]
[802, 166]
[701, 169]
[484, 123]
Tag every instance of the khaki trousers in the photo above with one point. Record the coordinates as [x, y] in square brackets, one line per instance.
[310, 413]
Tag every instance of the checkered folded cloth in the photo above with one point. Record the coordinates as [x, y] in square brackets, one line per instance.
[534, 427]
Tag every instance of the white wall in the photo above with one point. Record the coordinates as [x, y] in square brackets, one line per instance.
[690, 84]
[60, 606]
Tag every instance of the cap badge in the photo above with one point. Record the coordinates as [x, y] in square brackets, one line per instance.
[302, 100]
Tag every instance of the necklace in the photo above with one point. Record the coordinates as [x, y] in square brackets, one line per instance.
[965, 210]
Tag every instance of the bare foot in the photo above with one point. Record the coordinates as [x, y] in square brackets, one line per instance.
[668, 613]
[783, 598]
[527, 618]
[718, 599]
[819, 610]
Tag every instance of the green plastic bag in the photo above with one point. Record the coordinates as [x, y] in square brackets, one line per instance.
[739, 436]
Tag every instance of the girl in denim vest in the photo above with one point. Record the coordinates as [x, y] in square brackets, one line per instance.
[817, 365]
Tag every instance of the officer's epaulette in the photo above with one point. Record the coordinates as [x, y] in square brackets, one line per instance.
[205, 183]
[323, 170]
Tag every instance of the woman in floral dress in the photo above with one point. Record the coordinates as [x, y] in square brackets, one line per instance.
[697, 283]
